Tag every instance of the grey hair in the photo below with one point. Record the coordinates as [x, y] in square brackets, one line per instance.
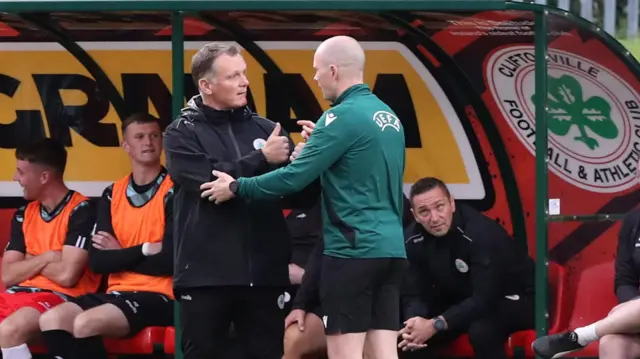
[202, 62]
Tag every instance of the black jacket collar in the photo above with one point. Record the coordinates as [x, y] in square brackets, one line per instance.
[196, 110]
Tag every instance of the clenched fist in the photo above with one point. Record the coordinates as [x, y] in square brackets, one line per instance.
[276, 149]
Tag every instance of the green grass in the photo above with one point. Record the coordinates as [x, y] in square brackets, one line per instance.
[632, 45]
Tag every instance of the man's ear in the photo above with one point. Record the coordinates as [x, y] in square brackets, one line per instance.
[414, 214]
[453, 203]
[205, 86]
[334, 70]
[45, 176]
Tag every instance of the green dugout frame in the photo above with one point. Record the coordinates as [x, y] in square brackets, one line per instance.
[178, 7]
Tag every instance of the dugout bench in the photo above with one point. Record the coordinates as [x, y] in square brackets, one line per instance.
[158, 342]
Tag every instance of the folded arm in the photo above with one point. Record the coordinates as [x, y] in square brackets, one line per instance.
[161, 264]
[16, 268]
[132, 258]
[74, 256]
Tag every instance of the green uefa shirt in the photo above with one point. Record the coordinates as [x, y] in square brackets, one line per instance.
[358, 151]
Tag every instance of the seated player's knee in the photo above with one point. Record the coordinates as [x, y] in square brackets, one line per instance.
[106, 319]
[19, 327]
[613, 345]
[293, 342]
[85, 326]
[307, 344]
[60, 318]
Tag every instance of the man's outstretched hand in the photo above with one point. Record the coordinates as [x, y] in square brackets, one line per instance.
[307, 128]
[218, 191]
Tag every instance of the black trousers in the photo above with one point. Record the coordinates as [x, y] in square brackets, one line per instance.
[487, 334]
[257, 315]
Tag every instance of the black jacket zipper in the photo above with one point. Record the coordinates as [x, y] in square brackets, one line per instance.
[248, 238]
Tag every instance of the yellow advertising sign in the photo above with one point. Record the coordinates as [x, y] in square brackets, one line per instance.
[42, 73]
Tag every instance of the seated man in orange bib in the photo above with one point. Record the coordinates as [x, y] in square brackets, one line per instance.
[45, 261]
[133, 245]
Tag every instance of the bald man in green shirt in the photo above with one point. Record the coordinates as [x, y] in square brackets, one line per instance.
[358, 150]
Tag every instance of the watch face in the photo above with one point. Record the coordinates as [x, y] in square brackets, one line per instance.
[233, 187]
[439, 324]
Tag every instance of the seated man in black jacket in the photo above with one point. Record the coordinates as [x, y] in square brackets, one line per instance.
[619, 332]
[466, 275]
[132, 244]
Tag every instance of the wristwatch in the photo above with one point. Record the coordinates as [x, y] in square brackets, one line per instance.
[233, 187]
[439, 324]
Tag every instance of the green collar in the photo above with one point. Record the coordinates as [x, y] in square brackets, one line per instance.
[355, 90]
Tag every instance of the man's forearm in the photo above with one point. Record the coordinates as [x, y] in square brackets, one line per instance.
[62, 272]
[413, 306]
[463, 313]
[115, 260]
[57, 272]
[17, 272]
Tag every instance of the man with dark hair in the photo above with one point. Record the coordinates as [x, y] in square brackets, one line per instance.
[141, 119]
[132, 244]
[45, 261]
[466, 274]
[231, 261]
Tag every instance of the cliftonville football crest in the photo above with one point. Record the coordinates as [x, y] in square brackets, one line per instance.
[593, 115]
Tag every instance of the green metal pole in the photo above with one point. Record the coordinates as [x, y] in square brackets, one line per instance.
[541, 171]
[177, 64]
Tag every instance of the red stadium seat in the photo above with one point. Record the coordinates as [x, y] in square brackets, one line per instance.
[37, 348]
[594, 301]
[559, 317]
[461, 347]
[169, 340]
[149, 341]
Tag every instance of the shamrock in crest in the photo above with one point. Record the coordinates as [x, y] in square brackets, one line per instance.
[567, 107]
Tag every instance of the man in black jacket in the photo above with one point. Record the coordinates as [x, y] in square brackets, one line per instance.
[232, 259]
[466, 274]
[619, 333]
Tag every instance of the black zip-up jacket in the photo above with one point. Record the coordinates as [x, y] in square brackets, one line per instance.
[627, 278]
[236, 242]
[469, 270]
